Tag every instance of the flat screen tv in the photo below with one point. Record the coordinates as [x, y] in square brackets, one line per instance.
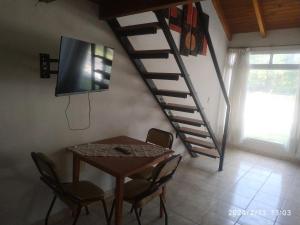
[83, 67]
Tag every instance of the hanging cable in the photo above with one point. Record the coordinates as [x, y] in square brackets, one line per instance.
[68, 121]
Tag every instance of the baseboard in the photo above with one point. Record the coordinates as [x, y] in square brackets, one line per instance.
[285, 157]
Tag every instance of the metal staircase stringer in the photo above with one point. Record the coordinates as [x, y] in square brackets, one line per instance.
[221, 81]
[165, 28]
[114, 24]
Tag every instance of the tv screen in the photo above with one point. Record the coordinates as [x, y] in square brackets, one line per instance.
[83, 67]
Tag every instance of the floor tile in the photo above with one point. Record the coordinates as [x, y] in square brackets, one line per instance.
[235, 199]
[151, 217]
[274, 190]
[200, 195]
[244, 190]
[263, 210]
[251, 183]
[215, 219]
[193, 210]
[254, 220]
[288, 220]
[226, 210]
[270, 200]
[293, 206]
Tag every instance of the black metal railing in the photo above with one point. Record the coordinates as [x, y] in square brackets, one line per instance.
[166, 30]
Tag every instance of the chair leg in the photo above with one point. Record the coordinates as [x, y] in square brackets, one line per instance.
[164, 208]
[87, 212]
[50, 209]
[112, 211]
[163, 195]
[77, 215]
[131, 210]
[140, 212]
[107, 217]
[137, 216]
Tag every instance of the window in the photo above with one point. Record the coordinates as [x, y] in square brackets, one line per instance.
[272, 89]
[286, 59]
[260, 59]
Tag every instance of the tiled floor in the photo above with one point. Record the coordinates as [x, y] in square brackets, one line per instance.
[252, 190]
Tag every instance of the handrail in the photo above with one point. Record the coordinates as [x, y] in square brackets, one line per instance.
[221, 82]
[165, 28]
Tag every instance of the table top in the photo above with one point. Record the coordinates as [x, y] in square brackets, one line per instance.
[122, 166]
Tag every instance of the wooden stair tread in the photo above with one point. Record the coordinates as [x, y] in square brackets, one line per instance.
[172, 93]
[138, 26]
[186, 120]
[162, 76]
[207, 147]
[151, 54]
[199, 133]
[139, 29]
[179, 107]
[206, 151]
[199, 142]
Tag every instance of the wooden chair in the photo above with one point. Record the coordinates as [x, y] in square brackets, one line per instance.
[74, 195]
[156, 137]
[140, 192]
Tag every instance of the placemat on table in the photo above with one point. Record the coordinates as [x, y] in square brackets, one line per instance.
[109, 150]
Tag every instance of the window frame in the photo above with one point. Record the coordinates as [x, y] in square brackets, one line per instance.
[271, 66]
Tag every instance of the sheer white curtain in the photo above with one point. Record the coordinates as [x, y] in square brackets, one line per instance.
[237, 74]
[293, 146]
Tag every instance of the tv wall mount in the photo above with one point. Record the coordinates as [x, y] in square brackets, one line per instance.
[45, 66]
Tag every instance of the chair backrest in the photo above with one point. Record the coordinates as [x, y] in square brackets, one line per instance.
[160, 137]
[47, 170]
[162, 173]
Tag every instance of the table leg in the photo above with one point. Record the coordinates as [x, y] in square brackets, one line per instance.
[76, 168]
[163, 194]
[76, 171]
[119, 200]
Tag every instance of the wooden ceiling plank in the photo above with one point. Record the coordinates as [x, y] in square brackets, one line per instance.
[259, 17]
[277, 14]
[220, 12]
[117, 8]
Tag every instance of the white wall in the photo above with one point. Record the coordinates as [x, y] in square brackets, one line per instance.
[274, 38]
[32, 118]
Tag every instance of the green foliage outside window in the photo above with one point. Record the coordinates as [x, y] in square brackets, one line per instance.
[283, 82]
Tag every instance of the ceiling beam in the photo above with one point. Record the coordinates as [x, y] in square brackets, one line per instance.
[116, 8]
[259, 18]
[221, 15]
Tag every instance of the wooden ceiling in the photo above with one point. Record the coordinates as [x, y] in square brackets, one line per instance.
[241, 16]
[237, 16]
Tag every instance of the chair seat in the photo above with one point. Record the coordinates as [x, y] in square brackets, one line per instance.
[85, 191]
[145, 174]
[134, 188]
